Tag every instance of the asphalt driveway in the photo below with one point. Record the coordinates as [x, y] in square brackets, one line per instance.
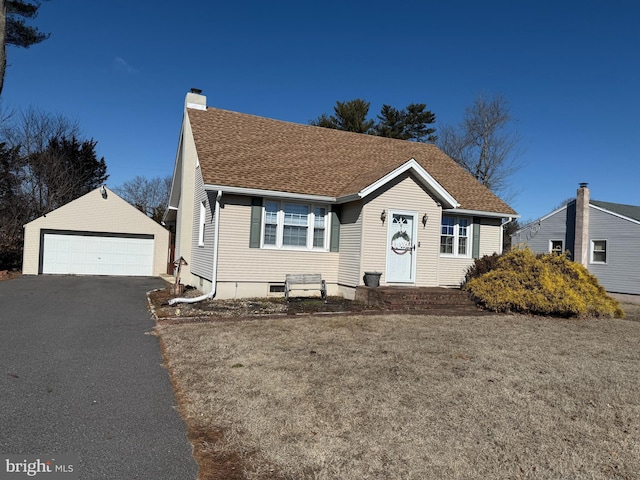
[80, 375]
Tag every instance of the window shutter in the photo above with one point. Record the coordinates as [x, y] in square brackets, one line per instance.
[256, 222]
[476, 238]
[334, 241]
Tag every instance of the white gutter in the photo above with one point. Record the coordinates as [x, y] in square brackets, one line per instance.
[214, 273]
[480, 213]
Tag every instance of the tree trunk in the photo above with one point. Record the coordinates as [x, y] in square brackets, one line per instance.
[3, 37]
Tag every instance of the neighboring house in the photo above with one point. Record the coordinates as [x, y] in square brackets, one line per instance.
[602, 236]
[96, 234]
[254, 199]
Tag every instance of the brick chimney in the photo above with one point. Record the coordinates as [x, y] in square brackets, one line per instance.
[581, 247]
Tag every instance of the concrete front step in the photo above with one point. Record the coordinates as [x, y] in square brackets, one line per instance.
[415, 298]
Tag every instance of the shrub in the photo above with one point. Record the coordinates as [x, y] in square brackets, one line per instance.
[548, 284]
[481, 266]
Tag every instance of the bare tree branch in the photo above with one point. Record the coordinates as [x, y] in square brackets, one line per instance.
[483, 143]
[150, 196]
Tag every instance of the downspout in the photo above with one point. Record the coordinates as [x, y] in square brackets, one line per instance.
[502, 225]
[214, 273]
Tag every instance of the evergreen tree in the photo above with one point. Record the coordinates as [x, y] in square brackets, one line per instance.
[350, 116]
[410, 123]
[13, 208]
[391, 123]
[44, 164]
[67, 169]
[416, 121]
[406, 124]
[14, 30]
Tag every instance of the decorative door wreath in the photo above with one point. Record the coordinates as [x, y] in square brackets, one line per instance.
[403, 246]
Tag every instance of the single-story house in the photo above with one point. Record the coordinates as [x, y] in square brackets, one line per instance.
[254, 199]
[96, 234]
[602, 236]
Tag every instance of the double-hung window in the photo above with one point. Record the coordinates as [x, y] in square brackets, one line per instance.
[319, 227]
[271, 223]
[294, 225]
[201, 224]
[455, 233]
[598, 251]
[556, 246]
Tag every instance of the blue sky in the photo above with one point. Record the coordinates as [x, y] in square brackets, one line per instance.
[570, 70]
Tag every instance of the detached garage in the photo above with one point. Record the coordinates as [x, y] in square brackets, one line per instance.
[96, 234]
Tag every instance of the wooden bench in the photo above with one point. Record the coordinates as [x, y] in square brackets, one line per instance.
[307, 281]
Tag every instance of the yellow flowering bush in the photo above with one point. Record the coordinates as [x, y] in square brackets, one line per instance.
[547, 284]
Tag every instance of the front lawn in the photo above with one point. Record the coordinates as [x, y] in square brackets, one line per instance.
[410, 397]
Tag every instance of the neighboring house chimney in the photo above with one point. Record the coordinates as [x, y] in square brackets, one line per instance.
[196, 100]
[581, 247]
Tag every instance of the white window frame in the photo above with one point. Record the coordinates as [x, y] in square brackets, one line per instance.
[592, 251]
[311, 217]
[202, 221]
[551, 250]
[456, 237]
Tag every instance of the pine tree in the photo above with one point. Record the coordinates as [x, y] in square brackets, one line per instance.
[407, 124]
[350, 116]
[410, 123]
[14, 30]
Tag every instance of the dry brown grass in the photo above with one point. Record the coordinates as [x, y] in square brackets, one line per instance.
[410, 397]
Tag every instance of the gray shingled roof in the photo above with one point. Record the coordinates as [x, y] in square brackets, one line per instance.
[246, 151]
[630, 211]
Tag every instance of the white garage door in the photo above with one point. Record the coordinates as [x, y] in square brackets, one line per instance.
[97, 255]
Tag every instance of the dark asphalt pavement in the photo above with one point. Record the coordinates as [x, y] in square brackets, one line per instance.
[80, 375]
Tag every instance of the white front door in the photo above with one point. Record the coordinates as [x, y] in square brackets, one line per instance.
[401, 247]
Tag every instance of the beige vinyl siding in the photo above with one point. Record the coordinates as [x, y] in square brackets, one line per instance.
[202, 255]
[92, 213]
[31, 252]
[178, 224]
[239, 263]
[402, 194]
[429, 249]
[490, 236]
[184, 223]
[452, 269]
[178, 238]
[350, 244]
